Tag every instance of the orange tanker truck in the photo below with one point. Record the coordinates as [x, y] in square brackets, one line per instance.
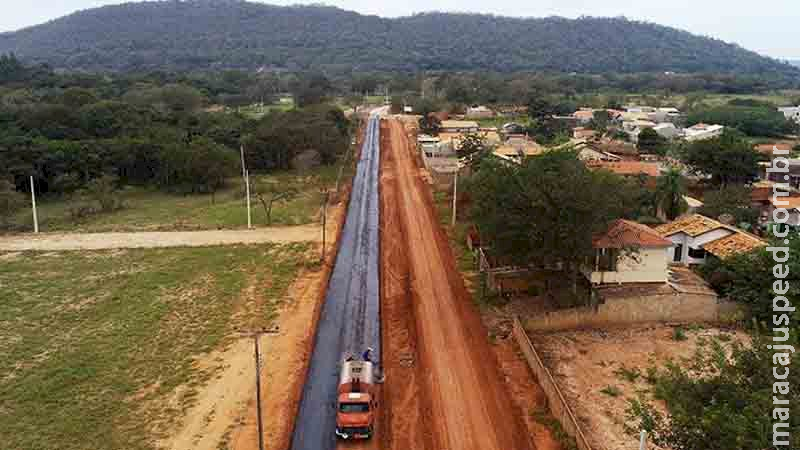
[356, 405]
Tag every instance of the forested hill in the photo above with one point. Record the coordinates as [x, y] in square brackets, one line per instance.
[207, 34]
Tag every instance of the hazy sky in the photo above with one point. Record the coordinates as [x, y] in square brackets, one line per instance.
[771, 27]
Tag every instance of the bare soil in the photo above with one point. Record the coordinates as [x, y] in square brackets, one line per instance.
[465, 403]
[586, 362]
[101, 241]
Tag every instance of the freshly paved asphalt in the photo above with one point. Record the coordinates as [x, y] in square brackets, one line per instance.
[350, 319]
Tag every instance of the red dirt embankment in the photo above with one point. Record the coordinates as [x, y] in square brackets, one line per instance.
[461, 396]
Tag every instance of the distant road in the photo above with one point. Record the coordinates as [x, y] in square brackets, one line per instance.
[158, 239]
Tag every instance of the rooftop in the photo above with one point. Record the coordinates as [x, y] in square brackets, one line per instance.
[627, 167]
[734, 244]
[625, 233]
[693, 225]
[459, 124]
[770, 148]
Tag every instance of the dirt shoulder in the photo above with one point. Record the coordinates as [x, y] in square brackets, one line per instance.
[102, 241]
[224, 415]
[467, 402]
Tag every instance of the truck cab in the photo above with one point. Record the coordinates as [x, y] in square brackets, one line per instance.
[356, 405]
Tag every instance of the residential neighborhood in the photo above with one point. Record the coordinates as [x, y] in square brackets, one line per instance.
[236, 225]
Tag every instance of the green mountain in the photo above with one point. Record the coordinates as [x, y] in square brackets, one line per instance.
[207, 34]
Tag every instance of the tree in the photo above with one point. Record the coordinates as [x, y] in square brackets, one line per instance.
[104, 191]
[728, 159]
[651, 142]
[471, 143]
[721, 399]
[600, 120]
[429, 124]
[670, 189]
[748, 279]
[269, 193]
[311, 89]
[10, 201]
[545, 211]
[549, 131]
[199, 167]
[732, 199]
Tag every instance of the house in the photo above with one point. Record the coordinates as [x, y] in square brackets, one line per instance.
[512, 128]
[791, 113]
[628, 252]
[696, 236]
[584, 115]
[516, 150]
[478, 112]
[773, 149]
[435, 147]
[692, 204]
[583, 133]
[459, 126]
[791, 176]
[667, 130]
[790, 204]
[634, 127]
[627, 168]
[702, 131]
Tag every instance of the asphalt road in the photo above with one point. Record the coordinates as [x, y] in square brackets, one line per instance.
[350, 318]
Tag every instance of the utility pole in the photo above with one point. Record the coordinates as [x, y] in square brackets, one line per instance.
[455, 195]
[324, 222]
[33, 202]
[244, 168]
[247, 192]
[256, 338]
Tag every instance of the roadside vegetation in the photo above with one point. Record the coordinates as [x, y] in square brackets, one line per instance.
[95, 145]
[148, 209]
[98, 349]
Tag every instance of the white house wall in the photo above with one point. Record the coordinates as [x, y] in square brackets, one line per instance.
[648, 265]
[694, 242]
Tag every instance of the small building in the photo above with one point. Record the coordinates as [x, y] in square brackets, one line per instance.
[516, 150]
[770, 150]
[628, 252]
[584, 115]
[479, 112]
[696, 236]
[667, 130]
[702, 131]
[583, 133]
[791, 113]
[459, 126]
[790, 177]
[790, 204]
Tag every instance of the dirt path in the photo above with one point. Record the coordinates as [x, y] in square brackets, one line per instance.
[466, 404]
[101, 241]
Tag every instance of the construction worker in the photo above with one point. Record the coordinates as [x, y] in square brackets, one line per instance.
[367, 353]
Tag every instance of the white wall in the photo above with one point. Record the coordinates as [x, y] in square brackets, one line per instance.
[648, 265]
[694, 242]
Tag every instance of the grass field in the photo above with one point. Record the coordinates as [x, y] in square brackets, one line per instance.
[151, 210]
[93, 345]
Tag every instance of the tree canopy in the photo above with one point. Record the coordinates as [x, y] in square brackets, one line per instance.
[201, 34]
[727, 159]
[545, 211]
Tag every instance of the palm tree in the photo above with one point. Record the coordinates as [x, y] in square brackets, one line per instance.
[670, 189]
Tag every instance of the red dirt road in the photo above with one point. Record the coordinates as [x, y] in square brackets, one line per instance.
[461, 396]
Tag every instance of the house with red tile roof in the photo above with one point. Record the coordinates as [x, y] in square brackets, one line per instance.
[628, 252]
[695, 237]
